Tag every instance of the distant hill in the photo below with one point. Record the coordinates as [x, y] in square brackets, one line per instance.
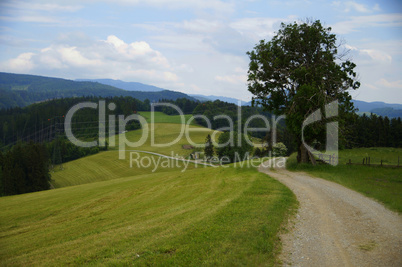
[129, 86]
[369, 106]
[205, 98]
[379, 108]
[18, 90]
[389, 112]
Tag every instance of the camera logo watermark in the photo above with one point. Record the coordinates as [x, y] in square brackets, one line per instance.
[331, 148]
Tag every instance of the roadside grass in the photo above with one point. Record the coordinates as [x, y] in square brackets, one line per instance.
[107, 166]
[211, 216]
[160, 117]
[388, 155]
[381, 183]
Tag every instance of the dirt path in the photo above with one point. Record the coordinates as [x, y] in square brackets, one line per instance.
[336, 226]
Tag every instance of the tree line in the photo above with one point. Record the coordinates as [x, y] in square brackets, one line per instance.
[43, 120]
[373, 131]
[24, 169]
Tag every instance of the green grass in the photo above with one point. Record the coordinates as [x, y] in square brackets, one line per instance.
[160, 117]
[210, 216]
[107, 166]
[380, 183]
[388, 155]
[165, 135]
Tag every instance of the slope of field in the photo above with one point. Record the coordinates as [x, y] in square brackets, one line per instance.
[160, 117]
[167, 138]
[213, 216]
[380, 183]
[107, 166]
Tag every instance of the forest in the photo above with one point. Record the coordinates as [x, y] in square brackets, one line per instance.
[24, 169]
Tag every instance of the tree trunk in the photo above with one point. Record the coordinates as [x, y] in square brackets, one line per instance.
[302, 154]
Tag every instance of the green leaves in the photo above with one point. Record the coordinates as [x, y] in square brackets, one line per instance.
[299, 71]
[233, 147]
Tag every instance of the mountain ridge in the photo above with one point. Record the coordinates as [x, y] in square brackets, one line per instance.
[19, 90]
[128, 86]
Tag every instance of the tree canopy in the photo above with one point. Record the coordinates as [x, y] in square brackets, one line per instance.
[298, 72]
[233, 147]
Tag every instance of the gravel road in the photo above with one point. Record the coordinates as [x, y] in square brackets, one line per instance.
[336, 226]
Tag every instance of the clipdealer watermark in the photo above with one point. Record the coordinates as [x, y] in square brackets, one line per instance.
[146, 159]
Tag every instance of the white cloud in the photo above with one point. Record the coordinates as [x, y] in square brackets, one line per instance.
[200, 26]
[377, 55]
[358, 22]
[20, 64]
[30, 18]
[215, 5]
[353, 48]
[72, 57]
[40, 6]
[112, 58]
[349, 6]
[356, 6]
[258, 28]
[376, 7]
[34, 11]
[395, 84]
[233, 79]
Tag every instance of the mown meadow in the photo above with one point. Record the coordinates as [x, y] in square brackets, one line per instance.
[209, 216]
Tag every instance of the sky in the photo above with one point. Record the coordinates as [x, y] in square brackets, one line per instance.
[192, 46]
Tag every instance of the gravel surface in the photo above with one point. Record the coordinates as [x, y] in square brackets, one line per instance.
[336, 226]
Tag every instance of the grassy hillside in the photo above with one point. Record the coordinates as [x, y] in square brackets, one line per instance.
[213, 216]
[166, 133]
[160, 117]
[107, 166]
[380, 183]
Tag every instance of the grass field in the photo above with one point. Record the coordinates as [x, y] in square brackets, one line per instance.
[107, 166]
[388, 155]
[167, 138]
[160, 117]
[380, 183]
[210, 216]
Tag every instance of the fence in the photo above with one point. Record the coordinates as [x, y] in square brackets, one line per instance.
[367, 162]
[327, 158]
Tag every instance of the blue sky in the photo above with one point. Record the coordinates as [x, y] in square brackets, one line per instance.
[191, 46]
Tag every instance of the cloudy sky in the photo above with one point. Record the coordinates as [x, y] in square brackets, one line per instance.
[192, 46]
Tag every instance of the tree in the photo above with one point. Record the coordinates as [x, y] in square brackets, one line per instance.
[298, 72]
[279, 150]
[233, 146]
[209, 148]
